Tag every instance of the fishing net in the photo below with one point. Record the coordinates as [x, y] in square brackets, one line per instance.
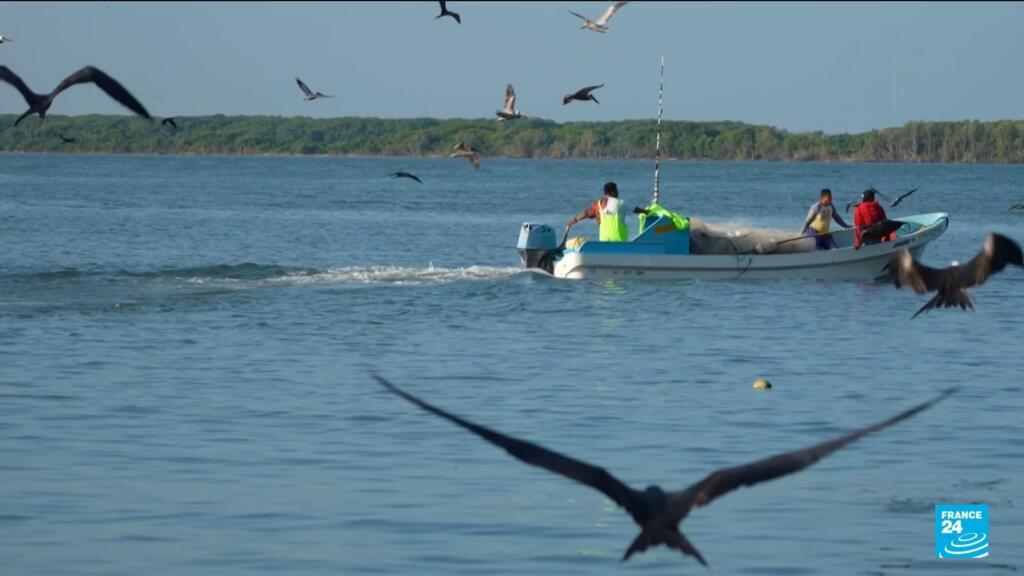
[739, 238]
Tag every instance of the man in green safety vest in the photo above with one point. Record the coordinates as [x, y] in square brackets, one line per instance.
[610, 223]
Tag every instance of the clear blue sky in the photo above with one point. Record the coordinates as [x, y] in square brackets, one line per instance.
[833, 67]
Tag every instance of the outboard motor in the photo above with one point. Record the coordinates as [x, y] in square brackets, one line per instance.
[537, 246]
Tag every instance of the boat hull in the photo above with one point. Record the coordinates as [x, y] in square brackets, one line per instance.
[867, 263]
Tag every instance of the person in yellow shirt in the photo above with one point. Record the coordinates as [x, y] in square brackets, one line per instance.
[820, 217]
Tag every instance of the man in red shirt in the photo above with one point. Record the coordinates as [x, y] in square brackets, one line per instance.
[868, 213]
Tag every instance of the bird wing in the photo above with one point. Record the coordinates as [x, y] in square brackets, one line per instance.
[8, 75]
[609, 12]
[302, 86]
[879, 193]
[905, 269]
[997, 252]
[170, 121]
[590, 89]
[510, 99]
[593, 476]
[851, 204]
[112, 87]
[726, 480]
[580, 16]
[901, 197]
[444, 6]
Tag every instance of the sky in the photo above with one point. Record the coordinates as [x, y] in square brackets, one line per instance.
[836, 67]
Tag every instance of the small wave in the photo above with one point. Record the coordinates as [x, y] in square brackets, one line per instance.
[243, 271]
[398, 275]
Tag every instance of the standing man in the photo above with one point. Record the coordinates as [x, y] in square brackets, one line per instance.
[610, 223]
[819, 219]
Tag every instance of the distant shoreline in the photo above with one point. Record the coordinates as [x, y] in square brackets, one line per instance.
[963, 142]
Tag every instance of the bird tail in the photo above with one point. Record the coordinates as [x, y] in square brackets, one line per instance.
[671, 538]
[944, 299]
[25, 115]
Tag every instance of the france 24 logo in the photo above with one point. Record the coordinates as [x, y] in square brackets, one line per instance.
[961, 531]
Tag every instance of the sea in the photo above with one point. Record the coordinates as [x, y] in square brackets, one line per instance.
[187, 346]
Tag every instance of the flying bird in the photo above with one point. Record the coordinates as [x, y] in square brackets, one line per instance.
[582, 95]
[411, 176]
[65, 139]
[658, 513]
[40, 103]
[892, 203]
[310, 95]
[467, 152]
[900, 198]
[4, 39]
[169, 121]
[509, 112]
[601, 24]
[1019, 207]
[951, 283]
[446, 12]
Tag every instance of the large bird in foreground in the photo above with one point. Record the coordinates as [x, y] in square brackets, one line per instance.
[601, 24]
[467, 152]
[951, 283]
[446, 12]
[658, 513]
[310, 95]
[40, 103]
[583, 94]
[509, 111]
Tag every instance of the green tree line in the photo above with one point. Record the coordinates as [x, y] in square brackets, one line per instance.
[962, 141]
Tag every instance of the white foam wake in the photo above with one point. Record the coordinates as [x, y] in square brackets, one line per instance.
[397, 275]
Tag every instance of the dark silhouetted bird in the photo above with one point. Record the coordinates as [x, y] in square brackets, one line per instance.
[951, 283]
[658, 513]
[467, 152]
[169, 122]
[65, 139]
[582, 95]
[4, 39]
[1018, 207]
[310, 95]
[446, 12]
[408, 175]
[509, 112]
[40, 103]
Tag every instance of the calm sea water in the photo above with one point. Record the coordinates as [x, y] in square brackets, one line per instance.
[185, 345]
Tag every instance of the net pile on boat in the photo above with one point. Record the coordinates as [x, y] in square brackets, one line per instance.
[734, 238]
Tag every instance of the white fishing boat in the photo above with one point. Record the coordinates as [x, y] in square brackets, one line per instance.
[661, 250]
[668, 246]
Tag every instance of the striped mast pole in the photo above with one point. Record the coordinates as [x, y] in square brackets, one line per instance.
[657, 141]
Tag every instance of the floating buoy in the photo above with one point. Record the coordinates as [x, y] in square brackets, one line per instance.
[762, 384]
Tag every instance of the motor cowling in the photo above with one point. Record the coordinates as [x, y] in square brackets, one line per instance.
[537, 242]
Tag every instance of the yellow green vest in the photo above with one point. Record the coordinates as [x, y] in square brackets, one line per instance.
[612, 226]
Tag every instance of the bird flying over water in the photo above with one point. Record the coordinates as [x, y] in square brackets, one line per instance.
[892, 204]
[169, 121]
[582, 95]
[310, 95]
[601, 24]
[658, 513]
[446, 12]
[4, 39]
[509, 112]
[467, 152]
[40, 103]
[65, 139]
[951, 283]
[411, 176]
[1019, 207]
